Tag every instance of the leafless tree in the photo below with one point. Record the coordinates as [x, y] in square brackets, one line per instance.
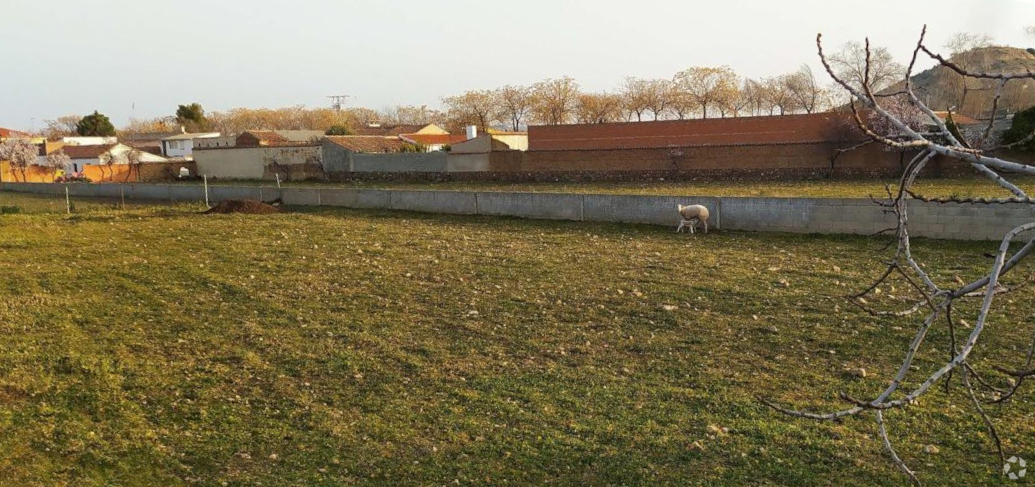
[707, 85]
[754, 96]
[681, 104]
[513, 105]
[934, 300]
[778, 97]
[659, 97]
[855, 65]
[64, 126]
[636, 97]
[598, 108]
[553, 100]
[478, 108]
[964, 48]
[803, 89]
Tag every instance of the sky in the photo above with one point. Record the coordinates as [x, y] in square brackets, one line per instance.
[132, 58]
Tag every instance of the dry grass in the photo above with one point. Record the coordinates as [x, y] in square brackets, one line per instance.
[962, 187]
[158, 346]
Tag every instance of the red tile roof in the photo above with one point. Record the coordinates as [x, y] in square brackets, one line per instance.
[958, 118]
[255, 138]
[368, 144]
[5, 133]
[433, 139]
[86, 151]
[388, 130]
[787, 129]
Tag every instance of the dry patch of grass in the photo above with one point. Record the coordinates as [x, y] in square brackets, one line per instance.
[161, 346]
[835, 188]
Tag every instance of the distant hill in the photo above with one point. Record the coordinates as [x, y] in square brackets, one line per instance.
[941, 88]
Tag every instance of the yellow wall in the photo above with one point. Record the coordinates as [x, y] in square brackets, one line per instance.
[31, 174]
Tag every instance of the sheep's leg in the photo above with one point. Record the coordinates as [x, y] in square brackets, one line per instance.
[706, 227]
[681, 225]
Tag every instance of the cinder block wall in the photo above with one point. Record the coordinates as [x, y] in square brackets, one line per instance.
[793, 215]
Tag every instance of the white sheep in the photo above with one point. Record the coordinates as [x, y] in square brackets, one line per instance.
[692, 215]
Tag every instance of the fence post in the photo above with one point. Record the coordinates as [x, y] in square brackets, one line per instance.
[68, 201]
[205, 177]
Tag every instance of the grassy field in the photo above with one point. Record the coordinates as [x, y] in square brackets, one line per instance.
[159, 346]
[827, 188]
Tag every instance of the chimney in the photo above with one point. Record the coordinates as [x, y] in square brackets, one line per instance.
[472, 132]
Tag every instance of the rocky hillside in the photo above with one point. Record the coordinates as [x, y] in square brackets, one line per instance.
[942, 88]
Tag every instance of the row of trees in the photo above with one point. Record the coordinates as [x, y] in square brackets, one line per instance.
[697, 92]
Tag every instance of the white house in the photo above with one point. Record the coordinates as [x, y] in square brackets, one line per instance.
[182, 145]
[86, 155]
[89, 140]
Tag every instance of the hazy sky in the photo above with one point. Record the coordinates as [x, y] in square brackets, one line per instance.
[60, 57]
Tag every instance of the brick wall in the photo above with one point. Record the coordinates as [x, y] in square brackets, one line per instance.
[164, 171]
[753, 157]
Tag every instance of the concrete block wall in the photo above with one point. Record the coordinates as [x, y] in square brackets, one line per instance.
[794, 215]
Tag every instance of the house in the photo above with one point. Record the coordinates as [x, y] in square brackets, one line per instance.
[95, 155]
[274, 138]
[342, 155]
[182, 145]
[490, 152]
[216, 142]
[399, 129]
[432, 142]
[15, 134]
[12, 134]
[150, 142]
[89, 140]
[261, 154]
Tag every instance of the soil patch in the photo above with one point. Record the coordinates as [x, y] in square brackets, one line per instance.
[250, 207]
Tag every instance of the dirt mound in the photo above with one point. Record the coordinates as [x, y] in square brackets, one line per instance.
[250, 207]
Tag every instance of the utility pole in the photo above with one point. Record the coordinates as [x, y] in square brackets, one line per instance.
[338, 101]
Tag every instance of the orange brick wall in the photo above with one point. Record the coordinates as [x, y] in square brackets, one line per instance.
[118, 173]
[31, 174]
[140, 173]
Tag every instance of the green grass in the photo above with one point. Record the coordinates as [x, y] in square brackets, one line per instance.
[826, 188]
[158, 346]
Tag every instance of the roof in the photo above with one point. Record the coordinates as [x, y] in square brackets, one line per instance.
[148, 136]
[300, 135]
[263, 138]
[202, 135]
[783, 129]
[86, 151]
[433, 139]
[482, 144]
[5, 133]
[958, 118]
[367, 143]
[388, 130]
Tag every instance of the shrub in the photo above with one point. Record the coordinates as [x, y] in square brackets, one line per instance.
[338, 130]
[1022, 126]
